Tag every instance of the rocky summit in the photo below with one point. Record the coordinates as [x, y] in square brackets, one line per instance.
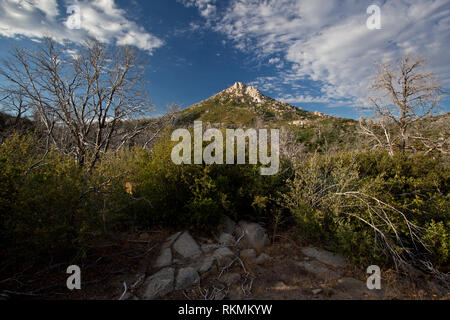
[239, 90]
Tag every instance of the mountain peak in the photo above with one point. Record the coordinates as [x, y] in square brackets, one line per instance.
[238, 85]
[243, 105]
[240, 90]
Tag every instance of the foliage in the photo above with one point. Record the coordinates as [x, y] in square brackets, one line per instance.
[52, 208]
[198, 196]
[373, 207]
[370, 206]
[38, 207]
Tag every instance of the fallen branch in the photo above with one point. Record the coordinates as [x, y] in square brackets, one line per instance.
[124, 291]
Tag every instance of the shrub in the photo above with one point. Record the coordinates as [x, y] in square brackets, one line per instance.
[39, 207]
[374, 207]
[198, 196]
[52, 209]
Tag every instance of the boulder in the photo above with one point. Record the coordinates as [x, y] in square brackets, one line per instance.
[170, 240]
[159, 284]
[223, 256]
[186, 277]
[326, 257]
[254, 236]
[186, 246]
[206, 264]
[164, 259]
[226, 239]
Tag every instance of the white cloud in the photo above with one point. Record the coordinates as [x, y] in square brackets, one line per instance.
[328, 42]
[207, 8]
[277, 62]
[101, 19]
[303, 99]
[274, 60]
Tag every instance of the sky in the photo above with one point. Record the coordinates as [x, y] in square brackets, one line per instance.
[316, 54]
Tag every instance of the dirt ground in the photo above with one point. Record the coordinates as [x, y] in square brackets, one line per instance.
[130, 259]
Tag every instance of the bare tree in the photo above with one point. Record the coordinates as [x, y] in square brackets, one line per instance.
[145, 131]
[401, 96]
[83, 95]
[13, 102]
[290, 148]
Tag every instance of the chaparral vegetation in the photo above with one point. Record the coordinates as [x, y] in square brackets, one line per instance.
[81, 159]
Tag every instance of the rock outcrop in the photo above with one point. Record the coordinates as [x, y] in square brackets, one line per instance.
[183, 264]
[182, 261]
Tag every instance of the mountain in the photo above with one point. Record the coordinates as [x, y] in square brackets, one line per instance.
[246, 105]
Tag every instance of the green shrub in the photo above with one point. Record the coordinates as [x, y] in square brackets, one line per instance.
[52, 209]
[198, 196]
[372, 206]
[39, 207]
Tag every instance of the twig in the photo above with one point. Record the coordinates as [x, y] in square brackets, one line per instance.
[124, 291]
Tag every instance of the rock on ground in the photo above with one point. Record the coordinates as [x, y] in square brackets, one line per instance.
[164, 259]
[186, 246]
[226, 238]
[170, 240]
[223, 256]
[186, 277]
[206, 264]
[159, 284]
[319, 270]
[326, 257]
[254, 236]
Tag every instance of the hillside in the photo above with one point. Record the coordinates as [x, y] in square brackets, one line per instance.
[246, 105]
[136, 199]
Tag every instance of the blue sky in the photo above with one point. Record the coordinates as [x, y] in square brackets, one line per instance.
[315, 54]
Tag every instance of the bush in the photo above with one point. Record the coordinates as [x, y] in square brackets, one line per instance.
[39, 207]
[374, 207]
[198, 196]
[53, 209]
